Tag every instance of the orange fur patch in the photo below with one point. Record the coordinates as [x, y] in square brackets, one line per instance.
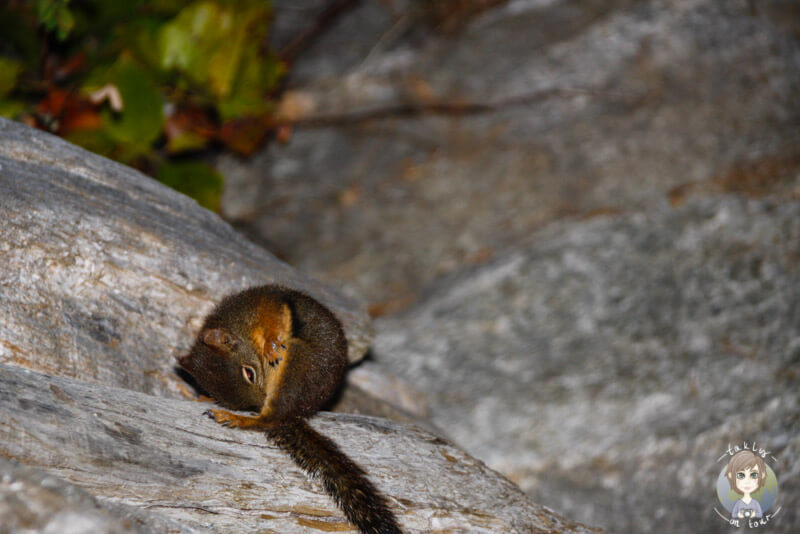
[272, 332]
[271, 336]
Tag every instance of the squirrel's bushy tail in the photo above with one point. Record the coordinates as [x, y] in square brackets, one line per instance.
[342, 478]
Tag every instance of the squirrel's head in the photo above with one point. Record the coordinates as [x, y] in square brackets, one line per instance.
[228, 368]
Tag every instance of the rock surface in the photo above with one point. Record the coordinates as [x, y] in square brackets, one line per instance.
[415, 154]
[106, 275]
[608, 364]
[33, 501]
[137, 451]
[595, 204]
[610, 191]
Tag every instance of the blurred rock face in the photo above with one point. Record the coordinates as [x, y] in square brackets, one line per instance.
[418, 153]
[587, 211]
[606, 366]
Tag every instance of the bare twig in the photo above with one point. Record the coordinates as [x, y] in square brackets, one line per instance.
[387, 39]
[323, 21]
[442, 107]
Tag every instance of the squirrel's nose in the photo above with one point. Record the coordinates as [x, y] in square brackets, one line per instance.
[185, 362]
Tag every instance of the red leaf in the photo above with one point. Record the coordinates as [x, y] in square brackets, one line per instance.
[245, 135]
[63, 112]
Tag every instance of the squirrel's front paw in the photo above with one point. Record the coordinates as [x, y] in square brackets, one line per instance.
[223, 417]
[233, 420]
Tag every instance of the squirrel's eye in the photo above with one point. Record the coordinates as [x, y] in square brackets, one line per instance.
[249, 374]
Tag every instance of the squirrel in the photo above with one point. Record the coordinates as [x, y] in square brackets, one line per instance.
[280, 352]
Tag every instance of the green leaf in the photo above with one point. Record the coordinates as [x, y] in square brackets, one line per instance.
[195, 179]
[141, 36]
[9, 72]
[256, 77]
[10, 108]
[186, 141]
[97, 141]
[54, 15]
[211, 42]
[139, 123]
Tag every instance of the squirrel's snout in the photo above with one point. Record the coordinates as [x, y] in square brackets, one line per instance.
[185, 362]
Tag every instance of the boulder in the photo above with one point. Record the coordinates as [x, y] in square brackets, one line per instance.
[106, 276]
[415, 154]
[136, 451]
[607, 365]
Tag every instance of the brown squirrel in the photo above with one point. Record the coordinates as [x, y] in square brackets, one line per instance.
[283, 354]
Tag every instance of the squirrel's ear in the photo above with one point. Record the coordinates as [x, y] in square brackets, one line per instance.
[219, 338]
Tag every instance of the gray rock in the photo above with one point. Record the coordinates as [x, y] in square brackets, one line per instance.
[34, 501]
[150, 454]
[431, 153]
[105, 277]
[606, 366]
[350, 33]
[106, 274]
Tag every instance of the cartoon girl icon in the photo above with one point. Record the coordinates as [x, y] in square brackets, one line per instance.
[746, 474]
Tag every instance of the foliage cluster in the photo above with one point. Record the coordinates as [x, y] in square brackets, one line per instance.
[150, 83]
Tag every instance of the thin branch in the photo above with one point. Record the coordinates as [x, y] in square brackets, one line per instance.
[387, 39]
[323, 21]
[452, 108]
